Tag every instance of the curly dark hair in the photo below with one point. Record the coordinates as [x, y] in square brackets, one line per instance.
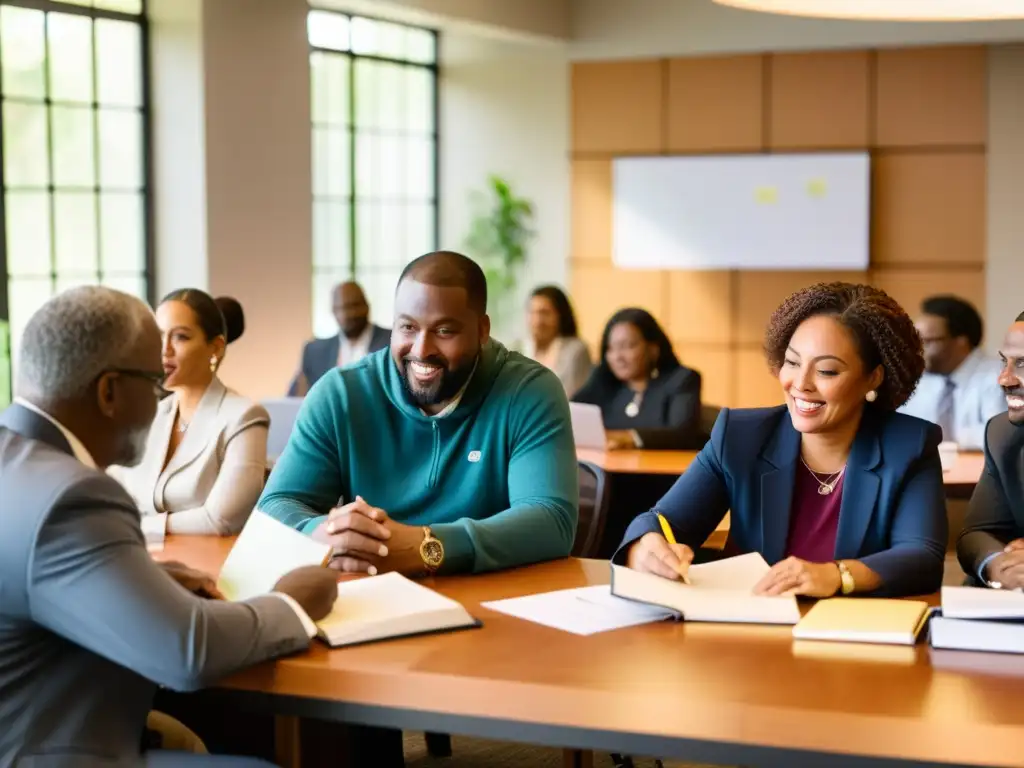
[884, 333]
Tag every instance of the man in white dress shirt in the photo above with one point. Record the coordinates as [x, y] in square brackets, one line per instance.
[357, 337]
[960, 388]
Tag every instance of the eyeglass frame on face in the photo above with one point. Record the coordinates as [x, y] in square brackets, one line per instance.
[156, 379]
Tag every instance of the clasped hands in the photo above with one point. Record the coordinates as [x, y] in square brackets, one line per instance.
[365, 540]
[792, 576]
[1007, 568]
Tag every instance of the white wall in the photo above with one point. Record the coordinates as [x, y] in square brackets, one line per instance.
[505, 110]
[1003, 269]
[607, 29]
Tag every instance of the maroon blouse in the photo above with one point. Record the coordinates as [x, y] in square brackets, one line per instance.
[813, 519]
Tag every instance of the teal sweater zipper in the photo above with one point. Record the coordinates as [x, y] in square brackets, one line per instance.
[436, 458]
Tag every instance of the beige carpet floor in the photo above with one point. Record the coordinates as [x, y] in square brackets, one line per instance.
[469, 753]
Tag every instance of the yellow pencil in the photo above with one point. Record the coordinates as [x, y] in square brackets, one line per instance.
[666, 531]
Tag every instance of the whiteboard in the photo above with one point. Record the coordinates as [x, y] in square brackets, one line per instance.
[753, 212]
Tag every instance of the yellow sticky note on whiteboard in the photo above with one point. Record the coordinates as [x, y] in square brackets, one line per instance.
[817, 188]
[766, 195]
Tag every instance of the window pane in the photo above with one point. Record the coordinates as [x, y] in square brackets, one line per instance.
[389, 250]
[331, 163]
[378, 38]
[329, 81]
[331, 235]
[28, 233]
[118, 42]
[420, 46]
[66, 282]
[75, 217]
[419, 100]
[125, 6]
[70, 39]
[368, 167]
[25, 154]
[328, 30]
[26, 296]
[132, 284]
[390, 80]
[23, 52]
[419, 229]
[367, 234]
[324, 323]
[73, 147]
[379, 286]
[120, 149]
[391, 159]
[122, 236]
[367, 94]
[419, 168]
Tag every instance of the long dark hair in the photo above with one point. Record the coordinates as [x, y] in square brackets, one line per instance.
[652, 333]
[566, 317]
[217, 317]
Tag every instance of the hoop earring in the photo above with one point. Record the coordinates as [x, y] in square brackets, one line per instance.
[871, 396]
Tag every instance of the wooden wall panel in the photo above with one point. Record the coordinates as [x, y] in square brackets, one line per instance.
[592, 210]
[600, 290]
[700, 306]
[760, 293]
[716, 104]
[929, 209]
[617, 107]
[819, 100]
[909, 287]
[715, 364]
[931, 96]
[755, 386]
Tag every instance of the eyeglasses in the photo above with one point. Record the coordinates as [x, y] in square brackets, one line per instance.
[156, 379]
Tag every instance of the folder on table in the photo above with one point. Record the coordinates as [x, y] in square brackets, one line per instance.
[864, 620]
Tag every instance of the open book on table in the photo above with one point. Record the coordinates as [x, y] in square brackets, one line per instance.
[367, 609]
[721, 591]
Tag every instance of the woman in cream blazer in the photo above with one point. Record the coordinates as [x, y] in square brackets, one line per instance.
[553, 340]
[206, 452]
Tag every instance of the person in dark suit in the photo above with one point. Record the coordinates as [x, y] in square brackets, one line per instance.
[648, 399]
[357, 337]
[991, 546]
[90, 625]
[837, 491]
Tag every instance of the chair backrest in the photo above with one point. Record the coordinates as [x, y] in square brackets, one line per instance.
[594, 500]
[708, 417]
[283, 412]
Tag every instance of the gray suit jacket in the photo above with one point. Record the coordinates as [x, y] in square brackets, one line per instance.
[321, 355]
[89, 624]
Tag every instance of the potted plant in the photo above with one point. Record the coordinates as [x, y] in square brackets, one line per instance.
[498, 238]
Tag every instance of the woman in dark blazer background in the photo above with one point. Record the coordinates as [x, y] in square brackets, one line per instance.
[648, 399]
[836, 490]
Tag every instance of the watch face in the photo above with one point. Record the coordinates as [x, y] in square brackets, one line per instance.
[432, 552]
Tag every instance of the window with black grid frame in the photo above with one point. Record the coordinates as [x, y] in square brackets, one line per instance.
[374, 115]
[74, 153]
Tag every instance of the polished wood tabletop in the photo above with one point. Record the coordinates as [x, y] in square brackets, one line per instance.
[965, 472]
[740, 685]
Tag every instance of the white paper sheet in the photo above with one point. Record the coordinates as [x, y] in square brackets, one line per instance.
[582, 611]
[154, 528]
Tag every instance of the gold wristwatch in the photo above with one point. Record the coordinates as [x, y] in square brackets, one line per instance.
[845, 578]
[431, 551]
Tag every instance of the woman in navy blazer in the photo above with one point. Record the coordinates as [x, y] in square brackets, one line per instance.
[837, 491]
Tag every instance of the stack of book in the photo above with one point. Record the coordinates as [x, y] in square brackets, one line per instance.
[976, 619]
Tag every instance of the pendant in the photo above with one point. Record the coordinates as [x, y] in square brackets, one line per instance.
[632, 410]
[825, 490]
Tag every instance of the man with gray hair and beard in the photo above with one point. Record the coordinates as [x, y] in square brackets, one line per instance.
[89, 623]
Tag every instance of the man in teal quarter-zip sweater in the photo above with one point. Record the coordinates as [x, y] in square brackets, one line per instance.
[445, 453]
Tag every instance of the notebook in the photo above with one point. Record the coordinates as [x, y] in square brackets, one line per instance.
[982, 603]
[864, 620]
[721, 591]
[368, 608]
[979, 619]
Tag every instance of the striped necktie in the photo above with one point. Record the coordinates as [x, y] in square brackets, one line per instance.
[946, 410]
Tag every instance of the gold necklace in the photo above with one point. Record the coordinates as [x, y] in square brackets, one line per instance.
[829, 484]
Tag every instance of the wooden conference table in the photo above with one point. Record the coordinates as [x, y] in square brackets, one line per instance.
[727, 694]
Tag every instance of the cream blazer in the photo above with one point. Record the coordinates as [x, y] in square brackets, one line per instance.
[215, 478]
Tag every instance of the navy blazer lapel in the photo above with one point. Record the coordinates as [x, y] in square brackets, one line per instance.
[331, 351]
[860, 489]
[31, 425]
[778, 474]
[380, 338]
